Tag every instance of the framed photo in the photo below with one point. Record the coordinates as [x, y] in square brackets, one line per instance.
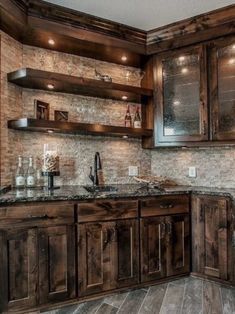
[41, 110]
[61, 115]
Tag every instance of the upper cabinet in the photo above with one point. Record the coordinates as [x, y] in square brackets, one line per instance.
[181, 96]
[222, 88]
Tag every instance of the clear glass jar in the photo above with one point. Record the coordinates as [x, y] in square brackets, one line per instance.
[50, 162]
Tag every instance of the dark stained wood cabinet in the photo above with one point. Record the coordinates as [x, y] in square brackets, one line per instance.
[181, 96]
[210, 236]
[56, 263]
[108, 253]
[222, 88]
[19, 269]
[178, 245]
[153, 248]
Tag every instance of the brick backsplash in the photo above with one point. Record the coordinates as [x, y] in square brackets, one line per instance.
[215, 166]
[76, 152]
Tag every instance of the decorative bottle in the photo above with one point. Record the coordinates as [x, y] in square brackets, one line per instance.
[30, 175]
[137, 119]
[128, 120]
[19, 177]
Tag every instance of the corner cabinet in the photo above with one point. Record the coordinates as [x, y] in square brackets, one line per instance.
[222, 88]
[181, 96]
[211, 236]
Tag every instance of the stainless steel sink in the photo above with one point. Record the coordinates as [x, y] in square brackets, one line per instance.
[101, 188]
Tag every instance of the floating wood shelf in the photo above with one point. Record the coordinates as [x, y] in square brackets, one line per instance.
[37, 79]
[35, 125]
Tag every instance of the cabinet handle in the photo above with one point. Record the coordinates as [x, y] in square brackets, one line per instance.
[201, 213]
[163, 229]
[38, 217]
[169, 227]
[166, 206]
[233, 239]
[105, 232]
[204, 127]
[114, 234]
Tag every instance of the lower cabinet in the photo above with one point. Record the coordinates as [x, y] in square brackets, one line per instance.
[18, 269]
[210, 236]
[108, 255]
[165, 246]
[37, 266]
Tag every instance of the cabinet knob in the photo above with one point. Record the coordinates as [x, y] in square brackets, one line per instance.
[166, 206]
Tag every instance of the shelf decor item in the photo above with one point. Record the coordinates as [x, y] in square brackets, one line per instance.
[41, 110]
[103, 77]
[50, 164]
[61, 115]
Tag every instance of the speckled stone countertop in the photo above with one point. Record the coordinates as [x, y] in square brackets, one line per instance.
[76, 193]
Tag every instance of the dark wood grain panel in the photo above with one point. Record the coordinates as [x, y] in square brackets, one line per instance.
[107, 210]
[19, 264]
[210, 225]
[153, 248]
[178, 245]
[56, 263]
[164, 205]
[36, 215]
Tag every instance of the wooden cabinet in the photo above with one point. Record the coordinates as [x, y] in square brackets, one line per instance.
[19, 269]
[222, 88]
[210, 236]
[181, 96]
[107, 255]
[56, 263]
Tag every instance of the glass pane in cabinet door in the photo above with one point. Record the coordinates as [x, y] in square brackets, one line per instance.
[226, 88]
[181, 95]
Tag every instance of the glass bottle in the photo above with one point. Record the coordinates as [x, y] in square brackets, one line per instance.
[20, 177]
[30, 175]
[128, 120]
[137, 119]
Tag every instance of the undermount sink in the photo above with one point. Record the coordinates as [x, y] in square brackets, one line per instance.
[102, 188]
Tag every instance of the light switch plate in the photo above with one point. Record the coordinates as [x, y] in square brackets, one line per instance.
[133, 171]
[192, 172]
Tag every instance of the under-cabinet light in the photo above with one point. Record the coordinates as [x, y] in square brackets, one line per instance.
[124, 97]
[51, 42]
[50, 86]
[50, 131]
[125, 137]
[124, 58]
[182, 58]
[184, 70]
[231, 61]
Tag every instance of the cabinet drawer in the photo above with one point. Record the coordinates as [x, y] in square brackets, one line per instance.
[36, 215]
[107, 210]
[164, 205]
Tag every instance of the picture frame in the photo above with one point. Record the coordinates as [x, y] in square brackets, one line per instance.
[41, 110]
[60, 115]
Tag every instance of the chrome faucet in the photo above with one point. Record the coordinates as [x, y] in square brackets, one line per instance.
[97, 166]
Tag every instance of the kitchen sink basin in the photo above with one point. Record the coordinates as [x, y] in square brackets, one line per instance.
[102, 188]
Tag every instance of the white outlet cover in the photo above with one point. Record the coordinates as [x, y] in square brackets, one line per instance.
[192, 172]
[133, 171]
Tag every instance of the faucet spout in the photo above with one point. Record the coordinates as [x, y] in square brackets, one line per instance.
[94, 172]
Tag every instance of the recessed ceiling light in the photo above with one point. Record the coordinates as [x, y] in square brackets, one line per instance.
[124, 58]
[233, 46]
[184, 70]
[182, 58]
[231, 61]
[124, 97]
[50, 86]
[51, 42]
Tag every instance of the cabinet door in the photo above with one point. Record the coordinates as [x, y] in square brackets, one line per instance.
[181, 96]
[178, 245]
[56, 263]
[94, 243]
[210, 236]
[125, 252]
[222, 89]
[153, 248]
[18, 270]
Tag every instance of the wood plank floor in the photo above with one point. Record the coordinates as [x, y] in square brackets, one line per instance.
[184, 296]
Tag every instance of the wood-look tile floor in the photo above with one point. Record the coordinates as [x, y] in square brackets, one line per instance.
[184, 296]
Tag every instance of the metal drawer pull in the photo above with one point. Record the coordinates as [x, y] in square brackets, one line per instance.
[166, 206]
[38, 217]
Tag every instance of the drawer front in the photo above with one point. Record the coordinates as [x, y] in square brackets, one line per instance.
[107, 210]
[36, 215]
[164, 205]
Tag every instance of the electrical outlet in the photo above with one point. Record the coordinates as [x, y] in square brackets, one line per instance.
[192, 172]
[133, 171]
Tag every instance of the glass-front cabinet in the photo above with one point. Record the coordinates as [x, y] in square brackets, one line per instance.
[222, 88]
[181, 96]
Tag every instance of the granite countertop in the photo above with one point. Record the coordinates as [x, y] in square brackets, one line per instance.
[70, 193]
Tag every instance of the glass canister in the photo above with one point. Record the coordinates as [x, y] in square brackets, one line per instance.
[50, 160]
